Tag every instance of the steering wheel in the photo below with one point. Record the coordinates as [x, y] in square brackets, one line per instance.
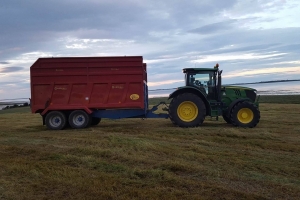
[197, 82]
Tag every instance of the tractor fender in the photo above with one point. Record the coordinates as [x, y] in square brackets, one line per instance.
[233, 103]
[195, 91]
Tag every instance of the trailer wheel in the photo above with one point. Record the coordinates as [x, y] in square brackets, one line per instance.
[187, 110]
[55, 120]
[245, 114]
[79, 119]
[95, 121]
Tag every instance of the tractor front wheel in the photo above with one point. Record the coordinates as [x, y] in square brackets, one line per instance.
[187, 110]
[245, 114]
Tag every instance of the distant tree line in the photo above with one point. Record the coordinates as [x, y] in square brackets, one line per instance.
[16, 106]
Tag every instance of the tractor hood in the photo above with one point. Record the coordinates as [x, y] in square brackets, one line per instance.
[240, 92]
[237, 87]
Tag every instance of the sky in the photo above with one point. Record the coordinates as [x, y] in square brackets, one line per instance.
[252, 40]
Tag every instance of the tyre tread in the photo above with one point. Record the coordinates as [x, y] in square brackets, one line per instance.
[187, 97]
[245, 104]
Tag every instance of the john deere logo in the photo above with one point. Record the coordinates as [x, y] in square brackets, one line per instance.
[134, 97]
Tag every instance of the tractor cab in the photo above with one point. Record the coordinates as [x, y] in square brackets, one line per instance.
[204, 79]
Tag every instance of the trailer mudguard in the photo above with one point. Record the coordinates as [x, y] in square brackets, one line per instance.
[51, 108]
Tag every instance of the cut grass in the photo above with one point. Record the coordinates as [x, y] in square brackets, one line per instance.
[152, 159]
[280, 99]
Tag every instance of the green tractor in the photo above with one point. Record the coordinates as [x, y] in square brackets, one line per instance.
[203, 95]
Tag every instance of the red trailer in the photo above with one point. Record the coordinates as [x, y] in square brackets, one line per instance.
[82, 90]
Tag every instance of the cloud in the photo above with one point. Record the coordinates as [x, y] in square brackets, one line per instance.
[226, 57]
[264, 71]
[170, 35]
[215, 27]
[161, 83]
[10, 69]
[4, 63]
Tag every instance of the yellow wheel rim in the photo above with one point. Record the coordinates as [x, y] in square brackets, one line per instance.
[187, 111]
[245, 115]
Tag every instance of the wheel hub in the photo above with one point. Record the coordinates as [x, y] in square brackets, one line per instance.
[55, 121]
[187, 111]
[245, 115]
[78, 120]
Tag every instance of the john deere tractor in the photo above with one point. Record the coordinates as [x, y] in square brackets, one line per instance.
[203, 95]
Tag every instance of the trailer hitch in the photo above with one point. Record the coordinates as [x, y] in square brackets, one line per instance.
[151, 113]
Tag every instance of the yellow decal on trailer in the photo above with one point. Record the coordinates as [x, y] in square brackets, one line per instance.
[134, 97]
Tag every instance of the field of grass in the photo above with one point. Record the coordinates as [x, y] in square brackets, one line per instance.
[151, 159]
[281, 99]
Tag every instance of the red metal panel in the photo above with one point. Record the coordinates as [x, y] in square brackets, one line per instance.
[100, 93]
[90, 82]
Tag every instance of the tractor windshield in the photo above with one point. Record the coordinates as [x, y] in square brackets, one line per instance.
[203, 80]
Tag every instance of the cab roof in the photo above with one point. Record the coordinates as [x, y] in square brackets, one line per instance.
[185, 70]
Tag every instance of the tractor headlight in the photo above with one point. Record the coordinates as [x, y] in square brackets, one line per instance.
[251, 94]
[224, 93]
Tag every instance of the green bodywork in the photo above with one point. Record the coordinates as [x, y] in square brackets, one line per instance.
[215, 106]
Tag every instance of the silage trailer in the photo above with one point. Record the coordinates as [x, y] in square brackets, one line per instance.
[80, 91]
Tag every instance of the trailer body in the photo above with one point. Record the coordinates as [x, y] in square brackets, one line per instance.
[83, 90]
[88, 83]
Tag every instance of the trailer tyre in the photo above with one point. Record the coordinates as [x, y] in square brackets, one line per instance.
[95, 121]
[245, 114]
[187, 110]
[55, 120]
[79, 119]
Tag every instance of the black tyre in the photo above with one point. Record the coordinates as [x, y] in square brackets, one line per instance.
[245, 114]
[227, 120]
[95, 121]
[187, 110]
[79, 119]
[55, 120]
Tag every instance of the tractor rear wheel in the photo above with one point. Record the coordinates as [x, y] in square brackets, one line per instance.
[227, 120]
[245, 114]
[187, 110]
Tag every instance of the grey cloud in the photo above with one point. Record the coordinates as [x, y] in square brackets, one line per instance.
[4, 63]
[282, 36]
[215, 27]
[33, 23]
[192, 27]
[281, 40]
[295, 48]
[250, 48]
[10, 69]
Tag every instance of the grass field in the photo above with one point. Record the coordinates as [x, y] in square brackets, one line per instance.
[278, 99]
[151, 159]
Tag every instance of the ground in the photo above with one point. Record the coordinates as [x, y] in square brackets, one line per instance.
[151, 159]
